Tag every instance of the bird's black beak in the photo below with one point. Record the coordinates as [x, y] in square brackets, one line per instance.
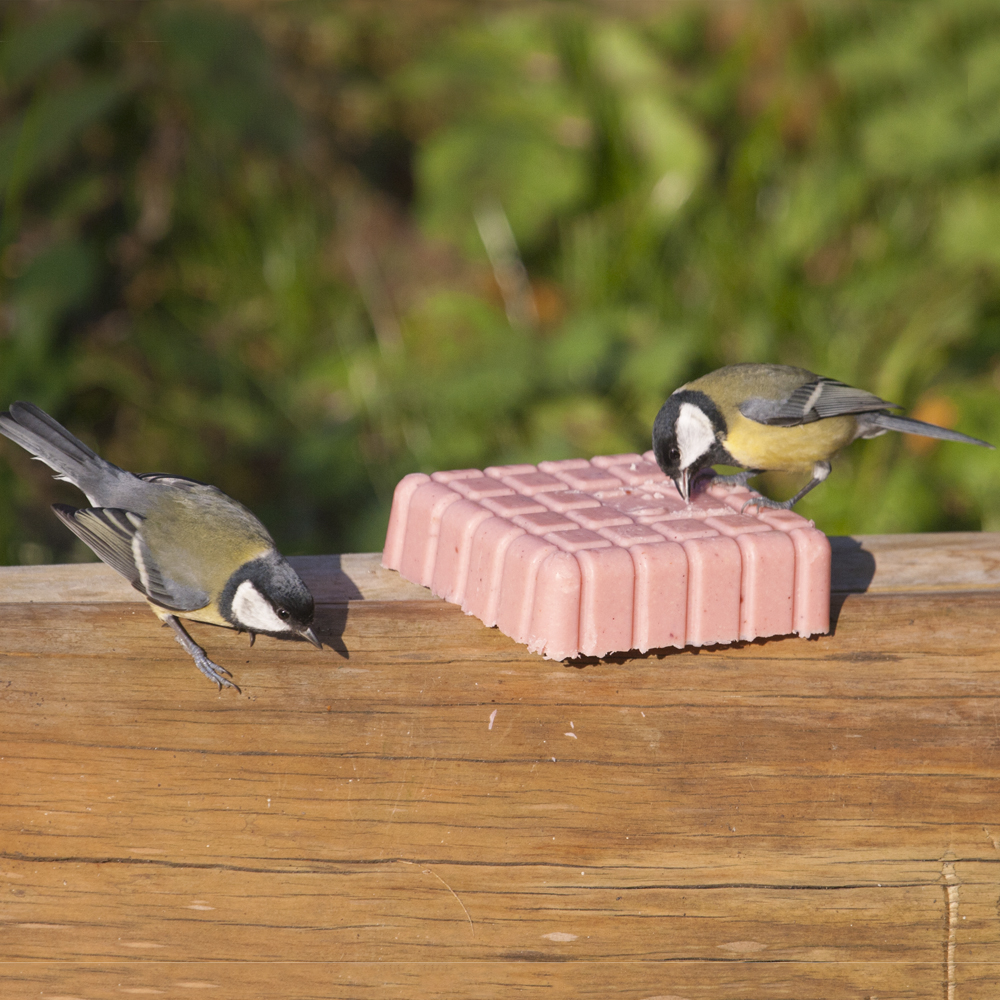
[684, 485]
[308, 633]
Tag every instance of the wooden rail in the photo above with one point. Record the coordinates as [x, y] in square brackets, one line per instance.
[426, 810]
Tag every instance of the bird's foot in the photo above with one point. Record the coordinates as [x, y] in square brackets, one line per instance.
[820, 471]
[215, 673]
[768, 503]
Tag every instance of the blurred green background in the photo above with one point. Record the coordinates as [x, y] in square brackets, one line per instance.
[300, 249]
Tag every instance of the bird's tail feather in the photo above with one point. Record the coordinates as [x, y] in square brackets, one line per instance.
[48, 441]
[907, 425]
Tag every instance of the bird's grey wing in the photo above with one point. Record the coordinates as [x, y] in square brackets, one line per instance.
[814, 400]
[108, 532]
[167, 480]
[115, 535]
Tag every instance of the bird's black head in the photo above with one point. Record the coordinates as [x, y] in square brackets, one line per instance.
[687, 436]
[267, 595]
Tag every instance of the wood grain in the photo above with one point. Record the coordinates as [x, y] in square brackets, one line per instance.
[425, 809]
[865, 563]
[332, 579]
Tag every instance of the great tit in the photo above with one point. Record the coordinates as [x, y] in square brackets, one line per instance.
[190, 550]
[765, 418]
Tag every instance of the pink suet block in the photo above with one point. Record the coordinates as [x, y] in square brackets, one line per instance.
[586, 558]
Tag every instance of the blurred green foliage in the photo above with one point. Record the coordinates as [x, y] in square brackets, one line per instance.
[301, 249]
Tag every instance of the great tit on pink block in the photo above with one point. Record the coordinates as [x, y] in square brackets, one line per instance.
[190, 550]
[771, 418]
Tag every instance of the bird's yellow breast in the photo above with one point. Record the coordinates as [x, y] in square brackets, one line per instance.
[208, 614]
[787, 449]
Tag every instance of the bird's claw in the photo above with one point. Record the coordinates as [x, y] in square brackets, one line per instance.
[760, 501]
[215, 673]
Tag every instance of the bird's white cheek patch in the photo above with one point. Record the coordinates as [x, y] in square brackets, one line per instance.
[695, 434]
[253, 612]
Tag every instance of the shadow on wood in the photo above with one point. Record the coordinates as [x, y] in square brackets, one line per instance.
[852, 565]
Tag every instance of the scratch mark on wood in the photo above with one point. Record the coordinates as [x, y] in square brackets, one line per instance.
[430, 871]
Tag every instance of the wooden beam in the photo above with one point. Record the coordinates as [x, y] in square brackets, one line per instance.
[426, 809]
[332, 579]
[862, 563]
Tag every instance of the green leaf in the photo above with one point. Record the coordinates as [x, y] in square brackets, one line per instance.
[38, 139]
[227, 75]
[514, 163]
[58, 280]
[33, 47]
[969, 228]
[517, 137]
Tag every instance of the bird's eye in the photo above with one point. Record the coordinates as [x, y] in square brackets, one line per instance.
[283, 614]
[673, 454]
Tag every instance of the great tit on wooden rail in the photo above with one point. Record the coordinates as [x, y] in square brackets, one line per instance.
[190, 550]
[771, 418]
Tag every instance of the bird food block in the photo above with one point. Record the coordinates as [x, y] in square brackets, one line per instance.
[581, 557]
